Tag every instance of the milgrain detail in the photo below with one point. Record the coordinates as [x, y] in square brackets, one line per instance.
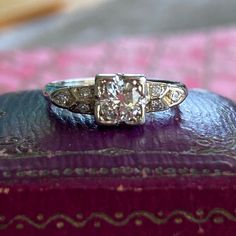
[137, 218]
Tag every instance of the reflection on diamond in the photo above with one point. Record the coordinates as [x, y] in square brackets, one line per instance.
[157, 105]
[109, 111]
[175, 96]
[121, 99]
[157, 90]
[62, 98]
[85, 92]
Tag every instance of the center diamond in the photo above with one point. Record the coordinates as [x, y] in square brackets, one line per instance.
[120, 99]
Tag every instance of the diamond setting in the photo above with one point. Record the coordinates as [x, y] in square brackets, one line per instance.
[120, 98]
[157, 90]
[157, 105]
[62, 98]
[175, 96]
[86, 92]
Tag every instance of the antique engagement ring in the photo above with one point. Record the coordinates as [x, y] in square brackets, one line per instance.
[116, 98]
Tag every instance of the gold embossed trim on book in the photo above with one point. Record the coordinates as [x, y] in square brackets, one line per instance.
[24, 147]
[112, 152]
[136, 218]
[124, 171]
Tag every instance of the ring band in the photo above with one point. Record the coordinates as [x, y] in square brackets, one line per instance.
[116, 98]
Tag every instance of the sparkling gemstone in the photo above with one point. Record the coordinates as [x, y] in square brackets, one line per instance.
[61, 99]
[157, 105]
[121, 98]
[85, 92]
[175, 96]
[157, 90]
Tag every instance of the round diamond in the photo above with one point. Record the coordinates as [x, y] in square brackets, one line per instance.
[109, 111]
[157, 105]
[157, 90]
[121, 100]
[85, 92]
[175, 96]
[61, 99]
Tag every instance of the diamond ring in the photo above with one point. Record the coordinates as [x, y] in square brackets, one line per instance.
[116, 98]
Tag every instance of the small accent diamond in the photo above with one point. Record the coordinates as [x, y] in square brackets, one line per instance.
[85, 92]
[175, 96]
[82, 93]
[62, 99]
[157, 105]
[157, 90]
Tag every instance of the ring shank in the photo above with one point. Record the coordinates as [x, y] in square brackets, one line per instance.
[70, 83]
[169, 82]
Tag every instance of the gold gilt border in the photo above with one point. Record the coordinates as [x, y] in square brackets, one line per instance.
[137, 218]
[124, 171]
[114, 152]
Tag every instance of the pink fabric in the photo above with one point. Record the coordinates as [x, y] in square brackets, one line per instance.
[204, 60]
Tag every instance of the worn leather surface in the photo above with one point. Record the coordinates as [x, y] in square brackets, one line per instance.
[62, 175]
[200, 134]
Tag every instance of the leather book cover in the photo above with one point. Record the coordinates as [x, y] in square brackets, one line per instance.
[64, 175]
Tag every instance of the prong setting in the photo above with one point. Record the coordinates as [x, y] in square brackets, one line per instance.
[120, 98]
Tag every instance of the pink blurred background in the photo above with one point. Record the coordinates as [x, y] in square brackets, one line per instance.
[201, 60]
[197, 48]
